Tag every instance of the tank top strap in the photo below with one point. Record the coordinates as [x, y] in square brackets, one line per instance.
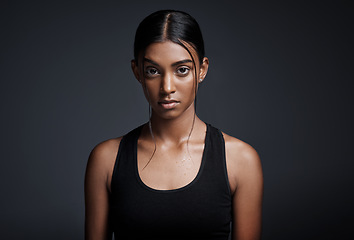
[215, 165]
[124, 160]
[200, 210]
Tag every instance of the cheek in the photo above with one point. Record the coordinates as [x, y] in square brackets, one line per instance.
[192, 83]
[188, 88]
[151, 89]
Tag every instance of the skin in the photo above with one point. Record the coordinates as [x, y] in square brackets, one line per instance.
[168, 75]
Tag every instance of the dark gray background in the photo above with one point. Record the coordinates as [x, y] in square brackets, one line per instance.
[280, 79]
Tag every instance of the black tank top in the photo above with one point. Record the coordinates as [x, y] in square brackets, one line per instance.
[199, 210]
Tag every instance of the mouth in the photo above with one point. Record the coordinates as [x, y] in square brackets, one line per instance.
[168, 104]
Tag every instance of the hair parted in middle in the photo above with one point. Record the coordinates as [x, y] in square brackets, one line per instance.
[169, 25]
[173, 25]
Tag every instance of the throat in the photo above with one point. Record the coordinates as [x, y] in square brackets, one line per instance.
[174, 130]
[170, 166]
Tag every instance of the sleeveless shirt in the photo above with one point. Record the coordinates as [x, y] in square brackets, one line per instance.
[199, 210]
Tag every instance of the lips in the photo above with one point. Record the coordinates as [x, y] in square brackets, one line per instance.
[168, 104]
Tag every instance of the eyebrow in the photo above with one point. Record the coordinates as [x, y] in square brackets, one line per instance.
[174, 64]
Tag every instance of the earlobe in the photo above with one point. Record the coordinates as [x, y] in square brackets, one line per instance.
[203, 69]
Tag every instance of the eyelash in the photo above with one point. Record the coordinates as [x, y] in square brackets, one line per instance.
[187, 69]
[148, 73]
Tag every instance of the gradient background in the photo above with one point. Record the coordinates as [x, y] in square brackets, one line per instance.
[280, 79]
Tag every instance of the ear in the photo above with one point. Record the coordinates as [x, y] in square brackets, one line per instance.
[135, 69]
[203, 69]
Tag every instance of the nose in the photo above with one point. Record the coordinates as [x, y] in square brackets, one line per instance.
[167, 84]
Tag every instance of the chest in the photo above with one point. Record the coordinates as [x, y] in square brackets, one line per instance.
[199, 209]
[169, 168]
[191, 211]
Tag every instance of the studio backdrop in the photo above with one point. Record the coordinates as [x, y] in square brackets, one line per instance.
[280, 79]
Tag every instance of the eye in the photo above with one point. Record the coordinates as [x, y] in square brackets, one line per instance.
[183, 71]
[151, 72]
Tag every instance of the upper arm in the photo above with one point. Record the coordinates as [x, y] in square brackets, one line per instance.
[97, 181]
[246, 177]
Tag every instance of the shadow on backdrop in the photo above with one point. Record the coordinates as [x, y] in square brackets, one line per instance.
[280, 78]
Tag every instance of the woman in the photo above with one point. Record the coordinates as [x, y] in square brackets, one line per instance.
[174, 177]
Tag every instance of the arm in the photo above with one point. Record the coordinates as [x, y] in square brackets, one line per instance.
[246, 182]
[97, 187]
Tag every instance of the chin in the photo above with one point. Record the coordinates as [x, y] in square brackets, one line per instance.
[172, 113]
[168, 115]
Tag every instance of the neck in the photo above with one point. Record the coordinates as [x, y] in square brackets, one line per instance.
[175, 130]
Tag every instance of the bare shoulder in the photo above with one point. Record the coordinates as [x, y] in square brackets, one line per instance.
[105, 150]
[101, 161]
[242, 161]
[240, 151]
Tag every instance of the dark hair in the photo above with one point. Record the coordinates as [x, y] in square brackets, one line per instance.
[172, 25]
[175, 26]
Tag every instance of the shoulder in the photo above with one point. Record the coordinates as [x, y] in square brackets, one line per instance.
[242, 161]
[101, 161]
[105, 149]
[240, 151]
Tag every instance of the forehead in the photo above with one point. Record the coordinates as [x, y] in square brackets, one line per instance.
[166, 52]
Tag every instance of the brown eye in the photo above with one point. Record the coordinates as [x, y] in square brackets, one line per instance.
[151, 72]
[183, 70]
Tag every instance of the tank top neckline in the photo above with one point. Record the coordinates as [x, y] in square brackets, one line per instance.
[188, 185]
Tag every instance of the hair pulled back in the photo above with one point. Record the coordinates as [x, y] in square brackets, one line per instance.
[175, 26]
[172, 25]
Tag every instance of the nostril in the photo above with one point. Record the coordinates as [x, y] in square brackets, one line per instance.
[167, 85]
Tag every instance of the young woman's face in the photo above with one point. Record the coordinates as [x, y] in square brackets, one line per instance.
[168, 78]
